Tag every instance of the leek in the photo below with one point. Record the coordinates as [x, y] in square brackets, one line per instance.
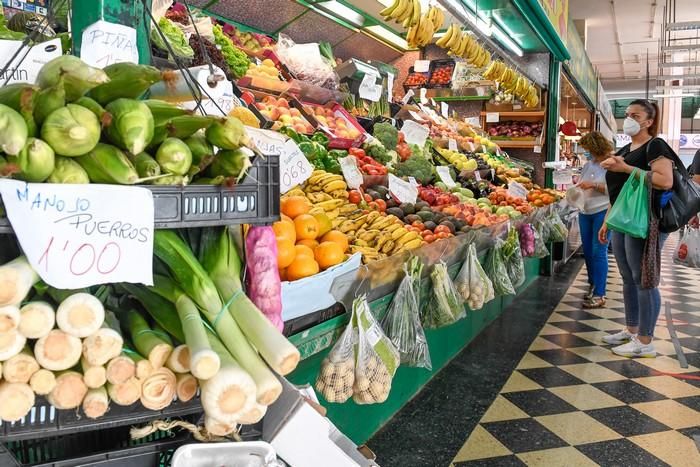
[17, 400]
[16, 279]
[36, 320]
[9, 318]
[69, 392]
[96, 402]
[179, 359]
[120, 369]
[151, 343]
[186, 387]
[20, 368]
[125, 393]
[42, 382]
[80, 315]
[57, 350]
[11, 343]
[143, 367]
[93, 376]
[158, 390]
[102, 346]
[218, 428]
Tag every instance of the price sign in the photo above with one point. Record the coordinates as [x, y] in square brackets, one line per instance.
[445, 175]
[369, 89]
[270, 143]
[537, 149]
[423, 96]
[432, 102]
[77, 236]
[414, 133]
[390, 85]
[492, 117]
[517, 106]
[452, 145]
[517, 190]
[473, 121]
[421, 66]
[477, 175]
[24, 66]
[413, 182]
[405, 192]
[294, 167]
[353, 176]
[445, 109]
[407, 96]
[105, 43]
[471, 146]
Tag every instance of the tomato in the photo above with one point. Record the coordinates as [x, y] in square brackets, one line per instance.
[429, 238]
[441, 235]
[355, 197]
[367, 198]
[425, 233]
[442, 229]
[419, 225]
[373, 206]
[381, 204]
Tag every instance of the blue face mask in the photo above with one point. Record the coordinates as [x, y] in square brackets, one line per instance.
[587, 155]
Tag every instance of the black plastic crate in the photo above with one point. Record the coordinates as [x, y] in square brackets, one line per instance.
[436, 64]
[255, 200]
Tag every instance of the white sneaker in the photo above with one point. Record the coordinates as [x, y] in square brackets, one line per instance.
[635, 349]
[619, 338]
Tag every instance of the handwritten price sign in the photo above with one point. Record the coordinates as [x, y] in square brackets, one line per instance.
[268, 142]
[105, 43]
[81, 235]
[294, 167]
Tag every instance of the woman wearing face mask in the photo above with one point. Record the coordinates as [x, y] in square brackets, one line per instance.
[592, 216]
[652, 155]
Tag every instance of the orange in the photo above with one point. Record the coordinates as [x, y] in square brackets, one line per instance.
[286, 230]
[329, 254]
[283, 274]
[285, 218]
[338, 237]
[285, 252]
[324, 223]
[295, 206]
[306, 226]
[302, 266]
[308, 242]
[303, 250]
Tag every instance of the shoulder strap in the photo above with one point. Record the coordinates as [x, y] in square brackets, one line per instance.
[676, 160]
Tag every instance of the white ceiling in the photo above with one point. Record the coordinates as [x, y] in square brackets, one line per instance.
[620, 34]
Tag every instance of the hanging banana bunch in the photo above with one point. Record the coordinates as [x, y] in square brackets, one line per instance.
[421, 34]
[513, 82]
[462, 44]
[406, 12]
[437, 16]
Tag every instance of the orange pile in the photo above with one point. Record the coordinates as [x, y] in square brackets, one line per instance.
[305, 243]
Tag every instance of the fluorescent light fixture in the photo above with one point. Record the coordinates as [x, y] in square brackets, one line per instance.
[697, 115]
[341, 11]
[507, 41]
[657, 96]
[388, 36]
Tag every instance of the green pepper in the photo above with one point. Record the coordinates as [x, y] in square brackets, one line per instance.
[320, 137]
[293, 135]
[333, 166]
[337, 154]
[318, 164]
[309, 150]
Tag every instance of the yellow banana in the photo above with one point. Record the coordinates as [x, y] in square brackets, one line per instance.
[408, 237]
[388, 247]
[380, 223]
[442, 42]
[369, 235]
[294, 192]
[333, 214]
[346, 226]
[411, 36]
[398, 233]
[412, 244]
[319, 197]
[386, 12]
[340, 194]
[404, 11]
[391, 228]
[354, 214]
[347, 208]
[382, 239]
[415, 17]
[372, 216]
[360, 242]
[454, 39]
[316, 210]
[334, 186]
[331, 204]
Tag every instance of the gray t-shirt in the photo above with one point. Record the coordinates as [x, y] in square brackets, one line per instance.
[595, 201]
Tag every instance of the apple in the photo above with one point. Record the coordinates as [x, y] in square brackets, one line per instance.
[299, 128]
[322, 120]
[308, 128]
[274, 113]
[286, 119]
[295, 112]
[260, 106]
[282, 102]
[284, 111]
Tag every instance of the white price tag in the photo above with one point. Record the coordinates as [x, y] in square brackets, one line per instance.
[473, 122]
[407, 96]
[423, 96]
[477, 175]
[373, 334]
[517, 106]
[493, 174]
[369, 89]
[405, 192]
[24, 69]
[537, 149]
[445, 175]
[471, 146]
[77, 236]
[294, 167]
[445, 109]
[414, 133]
[270, 143]
[432, 102]
[421, 66]
[562, 177]
[353, 176]
[413, 182]
[492, 117]
[517, 190]
[416, 116]
[452, 145]
[105, 43]
[390, 86]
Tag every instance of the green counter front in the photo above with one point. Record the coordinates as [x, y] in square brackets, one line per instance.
[360, 422]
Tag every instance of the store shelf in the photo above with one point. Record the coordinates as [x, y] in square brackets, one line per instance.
[461, 98]
[515, 144]
[518, 114]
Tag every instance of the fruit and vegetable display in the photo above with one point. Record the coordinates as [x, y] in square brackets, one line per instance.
[332, 119]
[266, 69]
[250, 42]
[279, 110]
[515, 130]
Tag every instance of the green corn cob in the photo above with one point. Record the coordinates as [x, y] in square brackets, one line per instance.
[126, 80]
[146, 166]
[187, 125]
[48, 100]
[163, 111]
[108, 164]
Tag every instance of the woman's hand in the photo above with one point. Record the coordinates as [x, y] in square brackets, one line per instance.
[616, 164]
[603, 234]
[586, 185]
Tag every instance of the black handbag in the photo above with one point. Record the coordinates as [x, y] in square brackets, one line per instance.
[685, 200]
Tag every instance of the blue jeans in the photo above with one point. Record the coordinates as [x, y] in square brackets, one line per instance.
[642, 306]
[595, 254]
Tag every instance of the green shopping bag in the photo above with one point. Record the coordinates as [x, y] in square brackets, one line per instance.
[630, 213]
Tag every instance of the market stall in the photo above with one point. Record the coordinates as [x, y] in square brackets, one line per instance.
[176, 186]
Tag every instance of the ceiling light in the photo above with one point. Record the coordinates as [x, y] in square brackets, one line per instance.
[507, 41]
[341, 11]
[657, 96]
[388, 36]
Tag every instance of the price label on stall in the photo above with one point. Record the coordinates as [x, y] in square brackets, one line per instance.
[477, 175]
[369, 89]
[405, 192]
[390, 85]
[517, 190]
[445, 109]
[452, 144]
[353, 176]
[537, 149]
[414, 133]
[77, 236]
[413, 182]
[407, 96]
[445, 175]
[471, 146]
[492, 117]
[421, 66]
[104, 43]
[270, 143]
[294, 167]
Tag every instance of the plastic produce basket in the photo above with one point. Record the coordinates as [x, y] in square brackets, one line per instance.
[255, 200]
[439, 64]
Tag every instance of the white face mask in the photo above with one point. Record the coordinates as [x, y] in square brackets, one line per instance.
[631, 126]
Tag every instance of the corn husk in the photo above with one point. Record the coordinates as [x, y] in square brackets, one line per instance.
[36, 161]
[127, 80]
[146, 166]
[131, 127]
[227, 133]
[67, 170]
[71, 130]
[13, 131]
[79, 77]
[231, 163]
[49, 100]
[174, 157]
[108, 164]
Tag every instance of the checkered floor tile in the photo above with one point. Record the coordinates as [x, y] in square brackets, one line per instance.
[572, 402]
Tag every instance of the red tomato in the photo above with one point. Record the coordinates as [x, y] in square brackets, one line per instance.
[373, 206]
[419, 225]
[381, 204]
[442, 229]
[367, 198]
[442, 235]
[425, 233]
[429, 238]
[355, 197]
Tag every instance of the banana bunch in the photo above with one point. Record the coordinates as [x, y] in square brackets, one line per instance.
[461, 44]
[422, 33]
[327, 183]
[495, 70]
[406, 12]
[437, 16]
[513, 82]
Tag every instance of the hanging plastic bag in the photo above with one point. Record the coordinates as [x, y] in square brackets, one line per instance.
[445, 306]
[541, 250]
[472, 283]
[496, 269]
[306, 62]
[526, 233]
[402, 322]
[688, 250]
[630, 213]
[337, 375]
[377, 358]
[514, 258]
[557, 230]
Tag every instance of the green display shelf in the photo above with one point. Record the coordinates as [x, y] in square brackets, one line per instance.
[360, 422]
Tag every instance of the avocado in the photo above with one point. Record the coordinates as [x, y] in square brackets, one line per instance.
[390, 203]
[449, 225]
[411, 218]
[396, 212]
[438, 216]
[382, 190]
[420, 205]
[374, 194]
[430, 225]
[459, 224]
[427, 208]
[426, 216]
[466, 229]
[450, 219]
[408, 208]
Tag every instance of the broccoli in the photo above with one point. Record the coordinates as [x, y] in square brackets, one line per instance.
[417, 167]
[387, 134]
[376, 150]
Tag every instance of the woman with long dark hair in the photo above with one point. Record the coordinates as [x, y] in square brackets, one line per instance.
[654, 156]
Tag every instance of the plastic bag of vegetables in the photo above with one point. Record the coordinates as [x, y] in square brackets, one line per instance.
[496, 269]
[472, 283]
[337, 375]
[558, 231]
[445, 305]
[541, 250]
[377, 358]
[514, 258]
[526, 232]
[402, 322]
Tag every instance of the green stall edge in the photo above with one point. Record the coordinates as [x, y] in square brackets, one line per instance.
[360, 422]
